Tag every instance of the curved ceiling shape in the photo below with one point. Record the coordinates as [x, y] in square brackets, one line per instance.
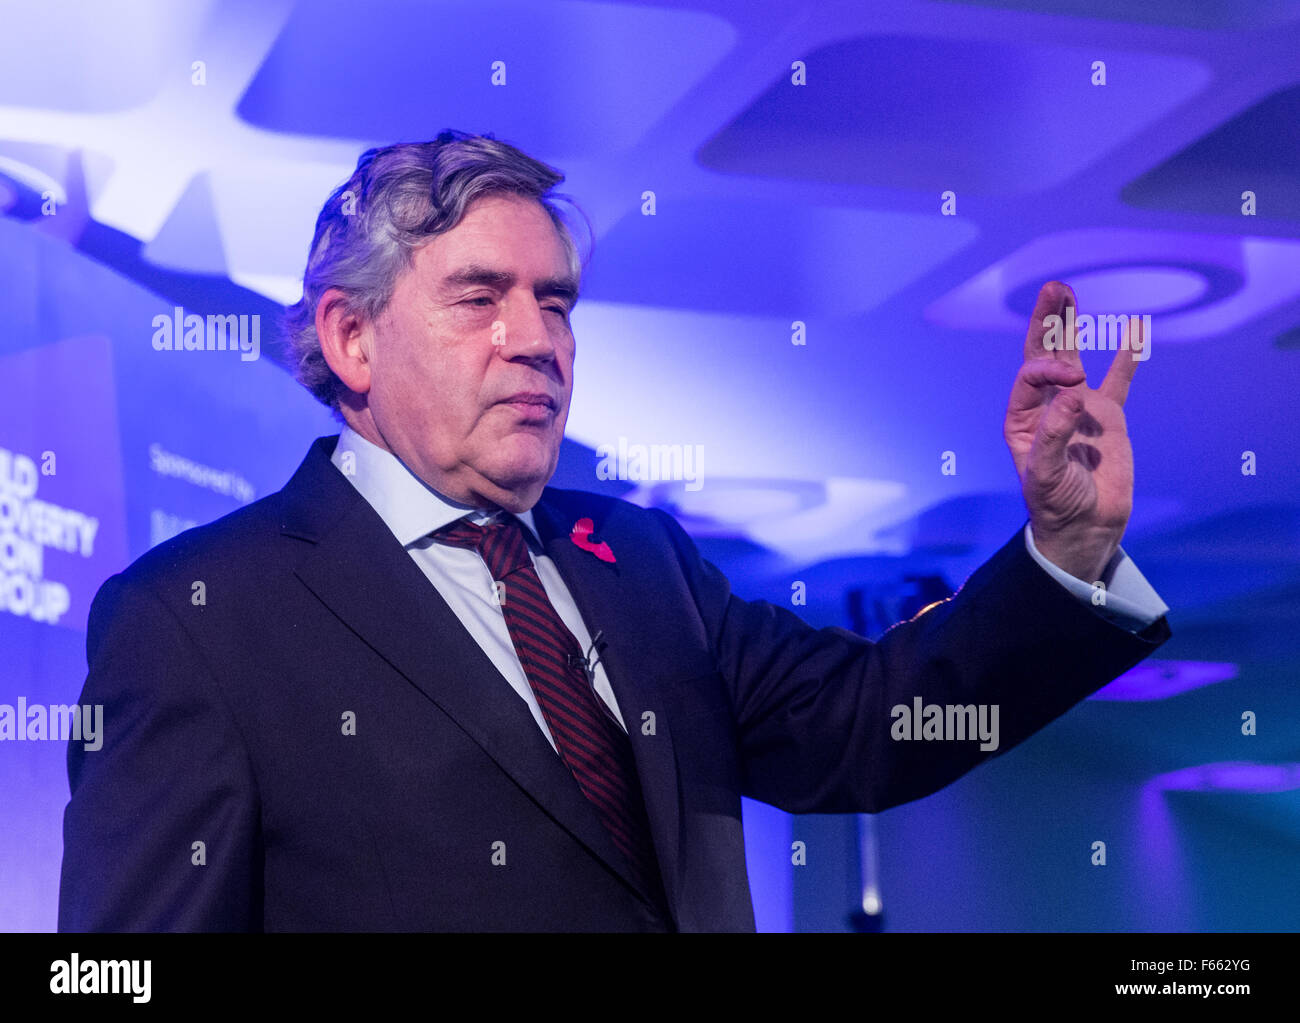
[568, 80]
[902, 112]
[1199, 286]
[1258, 151]
[1221, 15]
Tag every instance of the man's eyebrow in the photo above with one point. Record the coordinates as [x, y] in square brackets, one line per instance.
[560, 287]
[474, 273]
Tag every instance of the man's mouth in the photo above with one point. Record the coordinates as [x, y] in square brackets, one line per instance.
[531, 405]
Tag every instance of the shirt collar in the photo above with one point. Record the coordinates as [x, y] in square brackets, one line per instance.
[409, 507]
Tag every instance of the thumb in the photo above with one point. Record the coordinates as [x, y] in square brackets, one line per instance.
[1047, 459]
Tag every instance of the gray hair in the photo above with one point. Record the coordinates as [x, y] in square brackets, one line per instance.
[397, 199]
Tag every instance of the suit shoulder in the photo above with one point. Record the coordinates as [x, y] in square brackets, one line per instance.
[244, 536]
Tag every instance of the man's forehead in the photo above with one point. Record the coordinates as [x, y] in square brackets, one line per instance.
[487, 241]
[498, 213]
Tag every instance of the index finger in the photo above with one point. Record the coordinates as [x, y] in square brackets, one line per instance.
[1054, 298]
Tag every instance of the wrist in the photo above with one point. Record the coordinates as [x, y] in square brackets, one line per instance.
[1082, 555]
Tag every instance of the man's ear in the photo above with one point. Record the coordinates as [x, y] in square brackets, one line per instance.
[345, 340]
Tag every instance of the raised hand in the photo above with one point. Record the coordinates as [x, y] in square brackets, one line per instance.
[1070, 442]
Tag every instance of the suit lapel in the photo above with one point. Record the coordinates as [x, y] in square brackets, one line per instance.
[356, 567]
[603, 596]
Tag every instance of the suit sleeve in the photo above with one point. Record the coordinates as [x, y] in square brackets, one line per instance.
[814, 708]
[172, 772]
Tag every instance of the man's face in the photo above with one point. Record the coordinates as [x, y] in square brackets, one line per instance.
[481, 317]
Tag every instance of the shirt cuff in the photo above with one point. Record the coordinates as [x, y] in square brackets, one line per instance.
[1130, 601]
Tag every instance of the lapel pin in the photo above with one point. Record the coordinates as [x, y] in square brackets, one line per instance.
[581, 535]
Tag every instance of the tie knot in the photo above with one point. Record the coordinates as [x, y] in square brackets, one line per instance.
[501, 543]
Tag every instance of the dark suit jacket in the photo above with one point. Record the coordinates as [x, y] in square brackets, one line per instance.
[224, 724]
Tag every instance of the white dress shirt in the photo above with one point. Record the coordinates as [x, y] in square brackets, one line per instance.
[413, 510]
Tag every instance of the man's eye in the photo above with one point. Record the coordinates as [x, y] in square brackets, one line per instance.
[482, 298]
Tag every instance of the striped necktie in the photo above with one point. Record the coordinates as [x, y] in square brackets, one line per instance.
[590, 742]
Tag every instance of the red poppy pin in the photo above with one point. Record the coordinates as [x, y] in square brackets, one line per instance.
[581, 535]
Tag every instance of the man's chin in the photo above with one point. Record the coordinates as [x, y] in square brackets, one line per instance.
[519, 498]
[517, 488]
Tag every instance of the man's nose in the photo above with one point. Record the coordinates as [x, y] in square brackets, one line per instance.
[522, 332]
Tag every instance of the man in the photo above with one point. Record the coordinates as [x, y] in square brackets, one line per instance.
[424, 691]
